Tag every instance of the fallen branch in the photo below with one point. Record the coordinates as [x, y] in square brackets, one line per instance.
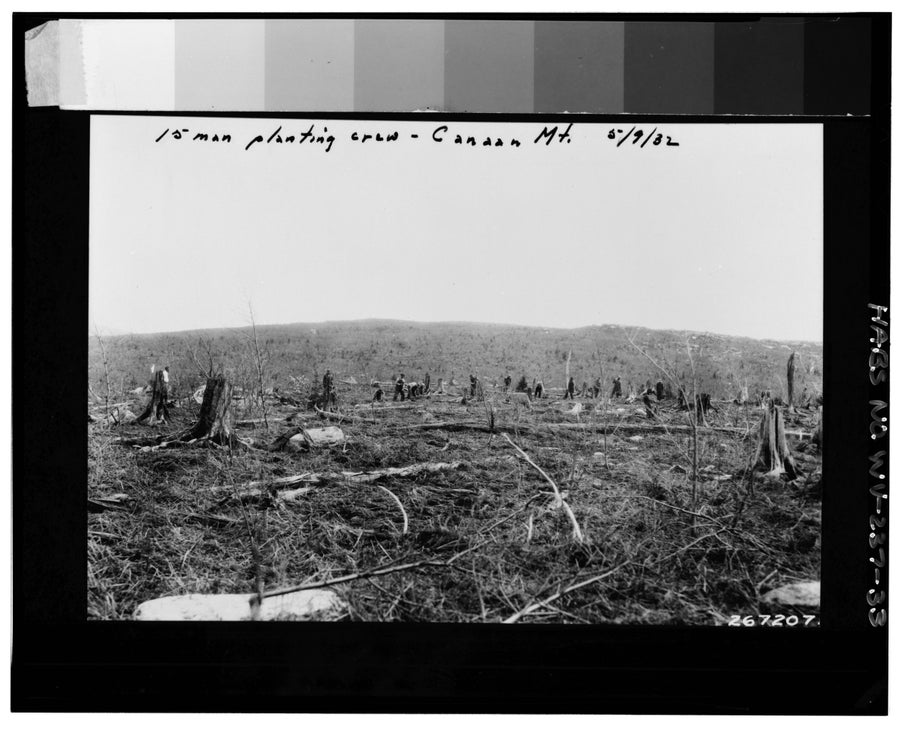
[402, 510]
[94, 506]
[576, 529]
[357, 575]
[556, 595]
[390, 568]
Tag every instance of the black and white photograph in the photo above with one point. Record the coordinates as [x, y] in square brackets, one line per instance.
[437, 371]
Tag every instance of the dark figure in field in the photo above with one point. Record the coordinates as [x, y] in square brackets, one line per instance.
[329, 393]
[426, 387]
[570, 389]
[507, 383]
[473, 385]
[330, 399]
[539, 390]
[650, 402]
[703, 407]
[522, 384]
[702, 404]
[415, 389]
[616, 392]
[597, 388]
[660, 390]
[379, 395]
[399, 388]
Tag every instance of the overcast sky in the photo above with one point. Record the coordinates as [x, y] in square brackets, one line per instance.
[722, 233]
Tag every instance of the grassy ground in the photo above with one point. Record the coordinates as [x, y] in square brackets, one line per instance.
[494, 540]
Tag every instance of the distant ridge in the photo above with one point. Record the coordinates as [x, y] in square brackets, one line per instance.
[417, 324]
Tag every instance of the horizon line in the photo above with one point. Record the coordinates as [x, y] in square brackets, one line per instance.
[93, 332]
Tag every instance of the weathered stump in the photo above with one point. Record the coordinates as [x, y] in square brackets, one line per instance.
[157, 409]
[215, 422]
[772, 453]
[790, 382]
[817, 434]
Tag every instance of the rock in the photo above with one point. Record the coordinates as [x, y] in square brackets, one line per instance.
[315, 437]
[636, 438]
[293, 606]
[799, 594]
[119, 415]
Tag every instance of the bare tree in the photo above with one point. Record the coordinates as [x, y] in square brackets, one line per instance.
[261, 394]
[105, 372]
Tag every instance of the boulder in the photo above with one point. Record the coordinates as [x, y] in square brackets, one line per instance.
[799, 594]
[315, 437]
[293, 606]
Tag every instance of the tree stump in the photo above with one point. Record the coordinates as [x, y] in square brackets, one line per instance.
[157, 409]
[772, 454]
[215, 422]
[790, 382]
[817, 435]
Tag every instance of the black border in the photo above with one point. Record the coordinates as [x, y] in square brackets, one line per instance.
[62, 662]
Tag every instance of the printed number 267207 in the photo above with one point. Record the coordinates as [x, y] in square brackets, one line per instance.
[773, 621]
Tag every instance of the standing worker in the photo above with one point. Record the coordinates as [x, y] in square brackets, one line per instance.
[328, 393]
[570, 389]
[398, 388]
[649, 400]
[473, 385]
[617, 388]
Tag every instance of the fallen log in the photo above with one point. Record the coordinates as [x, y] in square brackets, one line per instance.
[255, 422]
[585, 427]
[258, 487]
[343, 417]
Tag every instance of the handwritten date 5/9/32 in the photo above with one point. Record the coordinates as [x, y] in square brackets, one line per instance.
[640, 137]
[773, 621]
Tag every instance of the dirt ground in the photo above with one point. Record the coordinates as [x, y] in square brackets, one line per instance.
[485, 532]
